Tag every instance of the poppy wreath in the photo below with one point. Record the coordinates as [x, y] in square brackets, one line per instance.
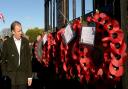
[112, 44]
[85, 62]
[47, 48]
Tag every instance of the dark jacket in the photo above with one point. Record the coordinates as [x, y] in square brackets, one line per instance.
[10, 58]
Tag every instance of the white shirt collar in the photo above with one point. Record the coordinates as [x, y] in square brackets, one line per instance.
[18, 46]
[16, 39]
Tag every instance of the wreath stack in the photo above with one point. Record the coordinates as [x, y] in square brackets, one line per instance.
[73, 59]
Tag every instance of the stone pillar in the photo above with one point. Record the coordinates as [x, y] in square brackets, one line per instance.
[66, 11]
[62, 14]
[83, 8]
[53, 15]
[51, 8]
[74, 8]
[46, 15]
[124, 14]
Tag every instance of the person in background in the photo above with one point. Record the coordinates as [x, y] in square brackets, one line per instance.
[36, 67]
[16, 58]
[6, 37]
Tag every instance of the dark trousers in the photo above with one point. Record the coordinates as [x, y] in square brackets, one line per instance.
[19, 87]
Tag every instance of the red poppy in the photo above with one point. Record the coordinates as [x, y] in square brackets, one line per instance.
[85, 63]
[59, 34]
[89, 18]
[118, 48]
[76, 25]
[118, 60]
[104, 19]
[100, 72]
[116, 71]
[96, 17]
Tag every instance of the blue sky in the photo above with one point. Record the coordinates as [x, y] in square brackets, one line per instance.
[31, 12]
[28, 12]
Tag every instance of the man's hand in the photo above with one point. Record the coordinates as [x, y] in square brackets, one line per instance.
[29, 81]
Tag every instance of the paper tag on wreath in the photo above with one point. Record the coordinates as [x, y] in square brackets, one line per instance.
[88, 35]
[68, 34]
[45, 39]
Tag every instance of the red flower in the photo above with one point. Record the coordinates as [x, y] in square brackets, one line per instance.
[85, 63]
[118, 60]
[116, 71]
[96, 17]
[59, 34]
[89, 18]
[114, 36]
[100, 72]
[118, 48]
[76, 25]
[104, 19]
